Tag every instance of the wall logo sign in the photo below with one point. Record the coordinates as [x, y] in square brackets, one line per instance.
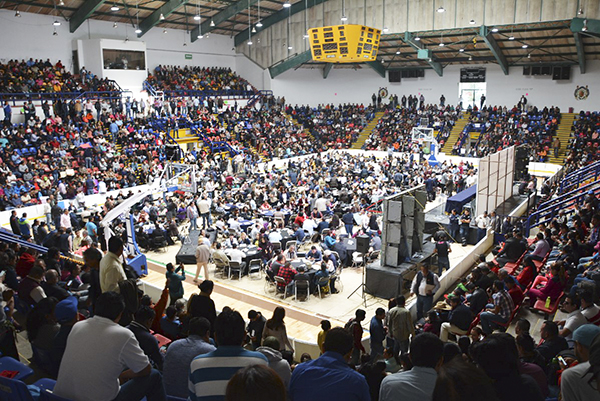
[188, 56]
[582, 93]
[383, 92]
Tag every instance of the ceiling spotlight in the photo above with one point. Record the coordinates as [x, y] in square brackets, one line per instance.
[306, 36]
[253, 30]
[525, 46]
[162, 17]
[164, 31]
[55, 33]
[470, 58]
[461, 50]
[56, 22]
[495, 29]
[529, 55]
[249, 43]
[287, 4]
[441, 44]
[472, 22]
[18, 14]
[417, 38]
[580, 12]
[289, 47]
[61, 3]
[114, 7]
[259, 24]
[584, 25]
[138, 30]
[385, 29]
[207, 36]
[212, 23]
[398, 52]
[200, 36]
[511, 37]
[344, 18]
[114, 24]
[430, 60]
[196, 17]
[441, 10]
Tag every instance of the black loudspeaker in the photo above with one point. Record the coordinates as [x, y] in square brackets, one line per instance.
[394, 76]
[362, 244]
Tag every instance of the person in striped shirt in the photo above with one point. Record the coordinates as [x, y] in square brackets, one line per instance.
[209, 373]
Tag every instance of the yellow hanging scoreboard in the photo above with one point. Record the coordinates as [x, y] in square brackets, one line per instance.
[344, 43]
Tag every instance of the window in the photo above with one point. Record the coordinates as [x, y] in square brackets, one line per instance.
[123, 59]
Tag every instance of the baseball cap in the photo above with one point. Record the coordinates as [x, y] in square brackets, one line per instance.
[66, 310]
[586, 334]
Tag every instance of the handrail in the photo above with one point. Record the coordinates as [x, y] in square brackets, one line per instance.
[235, 93]
[11, 238]
[53, 96]
[576, 177]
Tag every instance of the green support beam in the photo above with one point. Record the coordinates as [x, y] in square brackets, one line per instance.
[154, 19]
[327, 69]
[280, 15]
[230, 11]
[580, 51]
[86, 10]
[586, 26]
[292, 62]
[409, 40]
[491, 43]
[377, 67]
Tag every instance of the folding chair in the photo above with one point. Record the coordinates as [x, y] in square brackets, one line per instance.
[255, 267]
[281, 282]
[236, 267]
[323, 282]
[302, 285]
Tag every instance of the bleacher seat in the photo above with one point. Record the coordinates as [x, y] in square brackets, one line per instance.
[11, 364]
[16, 390]
[540, 306]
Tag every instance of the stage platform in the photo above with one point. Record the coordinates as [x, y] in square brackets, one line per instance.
[187, 252]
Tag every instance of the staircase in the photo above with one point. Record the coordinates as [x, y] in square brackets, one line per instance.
[563, 133]
[367, 131]
[455, 133]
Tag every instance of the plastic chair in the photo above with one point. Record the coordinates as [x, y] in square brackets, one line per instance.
[16, 390]
[302, 285]
[8, 363]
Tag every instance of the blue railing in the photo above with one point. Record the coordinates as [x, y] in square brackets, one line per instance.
[257, 96]
[225, 93]
[53, 96]
[575, 178]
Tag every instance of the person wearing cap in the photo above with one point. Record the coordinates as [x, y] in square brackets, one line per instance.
[66, 315]
[574, 385]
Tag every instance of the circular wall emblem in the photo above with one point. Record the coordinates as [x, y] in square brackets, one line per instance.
[582, 92]
[383, 92]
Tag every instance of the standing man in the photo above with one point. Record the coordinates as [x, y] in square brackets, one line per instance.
[111, 267]
[400, 325]
[192, 215]
[378, 333]
[8, 114]
[175, 280]
[210, 372]
[424, 285]
[465, 222]
[329, 377]
[373, 98]
[556, 146]
[204, 210]
[202, 257]
[255, 327]
[348, 220]
[14, 223]
[482, 101]
[442, 250]
[483, 222]
[97, 351]
[355, 328]
[454, 227]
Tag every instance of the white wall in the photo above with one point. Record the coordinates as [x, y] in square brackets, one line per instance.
[307, 86]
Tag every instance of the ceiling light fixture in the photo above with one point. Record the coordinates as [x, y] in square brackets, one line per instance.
[200, 36]
[398, 52]
[253, 30]
[290, 47]
[55, 33]
[441, 10]
[525, 46]
[162, 17]
[61, 3]
[249, 43]
[461, 50]
[212, 23]
[165, 30]
[114, 24]
[472, 22]
[584, 25]
[385, 29]
[580, 12]
[441, 44]
[470, 58]
[114, 7]
[344, 18]
[259, 24]
[306, 36]
[56, 22]
[529, 55]
[18, 14]
[495, 29]
[196, 17]
[138, 30]
[287, 4]
[417, 38]
[511, 37]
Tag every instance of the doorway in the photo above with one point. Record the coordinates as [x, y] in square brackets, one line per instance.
[470, 93]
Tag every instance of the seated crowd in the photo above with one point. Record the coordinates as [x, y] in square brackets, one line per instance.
[175, 78]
